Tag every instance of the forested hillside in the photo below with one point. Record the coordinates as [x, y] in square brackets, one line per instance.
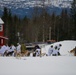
[41, 27]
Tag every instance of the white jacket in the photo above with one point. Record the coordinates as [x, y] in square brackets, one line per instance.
[13, 48]
[38, 52]
[50, 50]
[19, 48]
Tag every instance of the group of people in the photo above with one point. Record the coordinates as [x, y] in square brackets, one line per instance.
[54, 50]
[15, 50]
[12, 50]
[6, 50]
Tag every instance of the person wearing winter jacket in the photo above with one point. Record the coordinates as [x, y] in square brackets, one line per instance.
[50, 50]
[55, 51]
[12, 49]
[37, 51]
[59, 46]
[18, 49]
[4, 50]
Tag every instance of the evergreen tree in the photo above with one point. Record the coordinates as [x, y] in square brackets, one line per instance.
[5, 19]
[9, 27]
[24, 27]
[63, 26]
[73, 18]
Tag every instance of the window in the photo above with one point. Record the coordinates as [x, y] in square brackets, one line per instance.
[1, 41]
[1, 29]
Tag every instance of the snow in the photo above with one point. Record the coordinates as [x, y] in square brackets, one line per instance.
[32, 3]
[59, 65]
[67, 46]
[47, 65]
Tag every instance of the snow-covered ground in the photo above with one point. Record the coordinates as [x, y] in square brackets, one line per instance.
[47, 65]
[54, 65]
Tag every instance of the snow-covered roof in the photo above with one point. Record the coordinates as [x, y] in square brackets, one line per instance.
[1, 21]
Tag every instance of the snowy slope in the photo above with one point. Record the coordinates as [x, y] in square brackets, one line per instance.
[25, 7]
[31, 3]
[64, 50]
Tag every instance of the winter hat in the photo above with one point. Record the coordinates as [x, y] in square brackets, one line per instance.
[56, 47]
[60, 45]
[51, 46]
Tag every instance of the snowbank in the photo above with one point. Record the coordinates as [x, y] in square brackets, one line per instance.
[64, 50]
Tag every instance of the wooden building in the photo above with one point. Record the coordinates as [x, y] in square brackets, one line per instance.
[3, 39]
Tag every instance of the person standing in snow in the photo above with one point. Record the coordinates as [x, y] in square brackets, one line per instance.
[4, 49]
[18, 49]
[59, 46]
[12, 49]
[55, 51]
[50, 50]
[37, 51]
